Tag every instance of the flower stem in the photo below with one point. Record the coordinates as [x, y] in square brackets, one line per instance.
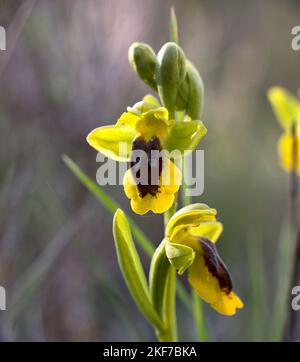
[290, 333]
[199, 318]
[197, 302]
[169, 334]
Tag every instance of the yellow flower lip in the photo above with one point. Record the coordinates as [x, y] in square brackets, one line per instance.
[158, 198]
[152, 164]
[191, 235]
[216, 265]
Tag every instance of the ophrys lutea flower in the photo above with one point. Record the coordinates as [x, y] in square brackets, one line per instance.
[190, 240]
[287, 111]
[139, 137]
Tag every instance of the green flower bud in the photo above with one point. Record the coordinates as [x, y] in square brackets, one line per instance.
[143, 60]
[170, 73]
[196, 92]
[185, 136]
[182, 96]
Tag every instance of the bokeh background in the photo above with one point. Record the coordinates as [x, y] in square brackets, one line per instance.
[65, 71]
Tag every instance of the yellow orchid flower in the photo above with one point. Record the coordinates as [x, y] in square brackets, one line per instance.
[190, 240]
[289, 152]
[286, 108]
[146, 127]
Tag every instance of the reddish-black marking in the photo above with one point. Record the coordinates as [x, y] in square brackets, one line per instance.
[153, 164]
[216, 265]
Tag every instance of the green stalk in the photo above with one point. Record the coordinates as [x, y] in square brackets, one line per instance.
[169, 334]
[199, 318]
[173, 26]
[290, 333]
[197, 302]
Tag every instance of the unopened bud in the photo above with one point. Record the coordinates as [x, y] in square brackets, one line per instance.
[170, 73]
[143, 60]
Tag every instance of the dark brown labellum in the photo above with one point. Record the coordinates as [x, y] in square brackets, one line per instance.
[152, 161]
[216, 265]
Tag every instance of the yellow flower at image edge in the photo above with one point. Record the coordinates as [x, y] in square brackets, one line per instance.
[289, 152]
[286, 107]
[190, 244]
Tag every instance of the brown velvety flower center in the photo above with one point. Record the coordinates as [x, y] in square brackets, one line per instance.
[216, 265]
[152, 161]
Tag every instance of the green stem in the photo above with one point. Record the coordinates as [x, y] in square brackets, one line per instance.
[291, 333]
[170, 332]
[173, 26]
[197, 305]
[199, 318]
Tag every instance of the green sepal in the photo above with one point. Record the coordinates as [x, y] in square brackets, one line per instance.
[185, 136]
[196, 92]
[143, 60]
[162, 280]
[180, 256]
[159, 268]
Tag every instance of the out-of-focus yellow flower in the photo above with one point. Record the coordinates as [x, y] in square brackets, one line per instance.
[289, 152]
[190, 240]
[286, 108]
[146, 127]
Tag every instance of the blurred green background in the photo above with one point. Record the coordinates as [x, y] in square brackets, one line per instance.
[65, 71]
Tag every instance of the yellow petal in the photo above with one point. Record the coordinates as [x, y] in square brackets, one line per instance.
[285, 150]
[159, 203]
[285, 106]
[208, 287]
[210, 230]
[162, 202]
[228, 303]
[171, 177]
[154, 123]
[129, 184]
[113, 141]
[151, 99]
[128, 119]
[192, 215]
